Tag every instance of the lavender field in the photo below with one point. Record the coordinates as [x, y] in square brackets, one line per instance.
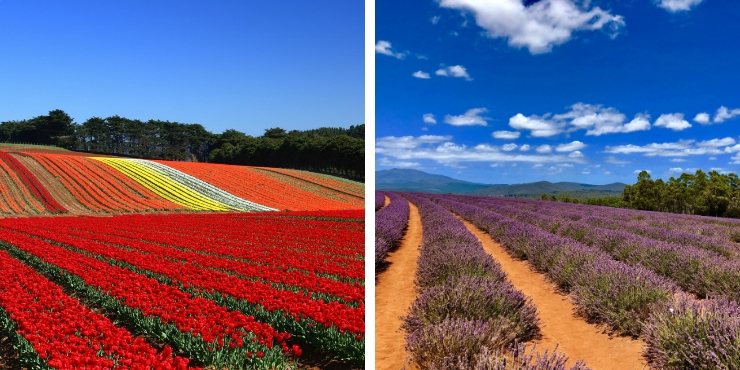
[671, 282]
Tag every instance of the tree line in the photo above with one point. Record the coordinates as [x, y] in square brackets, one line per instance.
[331, 150]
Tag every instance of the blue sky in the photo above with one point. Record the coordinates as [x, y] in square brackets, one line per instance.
[558, 90]
[246, 65]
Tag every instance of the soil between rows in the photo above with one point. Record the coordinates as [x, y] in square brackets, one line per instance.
[575, 337]
[394, 294]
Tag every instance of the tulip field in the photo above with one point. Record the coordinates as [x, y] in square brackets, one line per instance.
[180, 273]
[670, 281]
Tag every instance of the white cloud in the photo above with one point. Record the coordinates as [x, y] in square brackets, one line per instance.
[539, 126]
[409, 142]
[509, 147]
[673, 121]
[429, 118]
[538, 165]
[595, 119]
[614, 160]
[717, 142]
[435, 19]
[385, 162]
[598, 120]
[384, 47]
[454, 71]
[576, 154]
[712, 158]
[524, 147]
[471, 118]
[544, 148]
[724, 114]
[576, 145]
[420, 74]
[440, 149]
[539, 26]
[735, 159]
[678, 160]
[676, 169]
[674, 6]
[681, 148]
[508, 135]
[702, 118]
[638, 171]
[425, 129]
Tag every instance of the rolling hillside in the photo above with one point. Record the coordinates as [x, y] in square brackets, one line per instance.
[419, 181]
[48, 181]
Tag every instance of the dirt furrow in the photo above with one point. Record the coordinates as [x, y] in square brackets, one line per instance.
[55, 187]
[387, 201]
[394, 294]
[576, 338]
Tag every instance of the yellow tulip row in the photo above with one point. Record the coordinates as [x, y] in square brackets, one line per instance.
[163, 186]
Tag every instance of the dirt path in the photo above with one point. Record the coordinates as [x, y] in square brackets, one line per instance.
[576, 338]
[393, 296]
[387, 201]
[55, 187]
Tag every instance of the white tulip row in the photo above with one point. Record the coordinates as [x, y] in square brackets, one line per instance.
[203, 187]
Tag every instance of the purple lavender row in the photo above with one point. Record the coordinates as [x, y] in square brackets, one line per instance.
[390, 223]
[685, 334]
[719, 243]
[379, 200]
[604, 290]
[465, 306]
[702, 272]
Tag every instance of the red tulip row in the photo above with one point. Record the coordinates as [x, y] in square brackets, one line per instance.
[67, 335]
[317, 247]
[213, 326]
[55, 230]
[31, 182]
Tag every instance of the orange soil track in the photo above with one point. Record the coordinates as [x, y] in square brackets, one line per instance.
[394, 294]
[252, 185]
[55, 187]
[576, 338]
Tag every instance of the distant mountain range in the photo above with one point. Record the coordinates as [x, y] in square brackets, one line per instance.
[419, 181]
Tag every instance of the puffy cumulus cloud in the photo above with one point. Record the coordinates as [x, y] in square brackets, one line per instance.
[638, 171]
[539, 26]
[384, 47]
[735, 159]
[429, 118]
[385, 162]
[576, 145]
[471, 118]
[724, 114]
[454, 71]
[597, 120]
[721, 170]
[508, 135]
[674, 6]
[421, 74]
[409, 142]
[702, 118]
[681, 148]
[717, 142]
[538, 126]
[441, 150]
[544, 148]
[673, 121]
[576, 154]
[524, 147]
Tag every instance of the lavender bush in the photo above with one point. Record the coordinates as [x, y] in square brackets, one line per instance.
[474, 298]
[379, 200]
[390, 223]
[694, 335]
